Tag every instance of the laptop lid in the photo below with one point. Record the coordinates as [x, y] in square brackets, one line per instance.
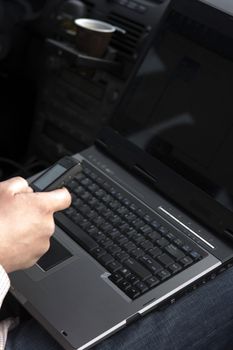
[178, 116]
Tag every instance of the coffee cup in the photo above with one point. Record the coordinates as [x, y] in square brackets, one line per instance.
[93, 36]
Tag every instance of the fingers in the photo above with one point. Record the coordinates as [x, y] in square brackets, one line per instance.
[16, 185]
[55, 200]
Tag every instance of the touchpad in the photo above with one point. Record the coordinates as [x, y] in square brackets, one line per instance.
[54, 256]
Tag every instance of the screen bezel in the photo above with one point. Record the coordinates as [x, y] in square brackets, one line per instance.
[172, 185]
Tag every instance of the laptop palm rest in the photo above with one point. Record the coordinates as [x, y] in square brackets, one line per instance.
[56, 254]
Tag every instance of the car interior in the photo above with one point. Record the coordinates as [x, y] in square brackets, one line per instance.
[170, 63]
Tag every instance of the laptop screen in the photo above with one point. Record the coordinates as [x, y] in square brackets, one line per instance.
[180, 110]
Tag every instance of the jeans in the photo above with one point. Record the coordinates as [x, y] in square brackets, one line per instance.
[202, 319]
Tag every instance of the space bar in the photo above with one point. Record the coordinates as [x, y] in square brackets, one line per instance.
[75, 232]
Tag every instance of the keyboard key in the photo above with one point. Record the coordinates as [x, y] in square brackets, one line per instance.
[170, 236]
[163, 275]
[72, 185]
[113, 249]
[174, 268]
[92, 202]
[132, 279]
[123, 227]
[129, 217]
[155, 224]
[137, 223]
[92, 215]
[141, 212]
[126, 202]
[114, 205]
[85, 209]
[100, 207]
[98, 252]
[114, 266]
[93, 188]
[195, 255]
[125, 272]
[122, 211]
[107, 199]
[186, 248]
[106, 259]
[93, 176]
[80, 176]
[162, 242]
[141, 286]
[146, 229]
[85, 224]
[85, 182]
[115, 220]
[146, 245]
[106, 213]
[113, 191]
[114, 233]
[106, 227]
[174, 252]
[137, 238]
[106, 186]
[137, 268]
[131, 233]
[133, 207]
[99, 180]
[99, 236]
[124, 285]
[99, 221]
[122, 256]
[165, 259]
[151, 264]
[154, 252]
[119, 196]
[154, 236]
[106, 242]
[93, 230]
[147, 218]
[186, 261]
[115, 277]
[137, 253]
[86, 170]
[121, 240]
[163, 230]
[178, 242]
[129, 246]
[152, 282]
[70, 212]
[132, 292]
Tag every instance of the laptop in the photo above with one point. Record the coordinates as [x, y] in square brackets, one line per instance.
[137, 236]
[151, 215]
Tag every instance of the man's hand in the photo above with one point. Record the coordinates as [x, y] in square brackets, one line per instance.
[26, 222]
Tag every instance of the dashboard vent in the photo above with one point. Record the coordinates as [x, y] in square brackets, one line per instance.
[126, 44]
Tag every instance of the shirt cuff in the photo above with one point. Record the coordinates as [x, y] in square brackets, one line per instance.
[4, 284]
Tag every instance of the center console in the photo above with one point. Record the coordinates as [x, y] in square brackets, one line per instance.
[78, 94]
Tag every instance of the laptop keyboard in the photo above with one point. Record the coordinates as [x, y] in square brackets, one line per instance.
[138, 249]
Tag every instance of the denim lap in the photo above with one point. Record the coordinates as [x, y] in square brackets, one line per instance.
[200, 320]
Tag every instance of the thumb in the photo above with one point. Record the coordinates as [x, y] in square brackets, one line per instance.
[54, 200]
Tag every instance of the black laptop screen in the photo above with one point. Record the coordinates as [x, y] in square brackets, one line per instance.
[180, 110]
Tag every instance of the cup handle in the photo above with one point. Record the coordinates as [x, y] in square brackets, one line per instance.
[118, 29]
